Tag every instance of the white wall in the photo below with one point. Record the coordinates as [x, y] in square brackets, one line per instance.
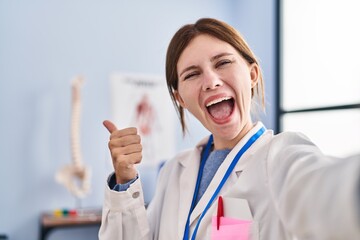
[42, 46]
[255, 19]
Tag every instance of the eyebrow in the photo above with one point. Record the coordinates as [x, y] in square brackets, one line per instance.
[220, 56]
[211, 59]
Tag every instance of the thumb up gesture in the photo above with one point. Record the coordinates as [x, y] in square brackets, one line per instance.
[125, 148]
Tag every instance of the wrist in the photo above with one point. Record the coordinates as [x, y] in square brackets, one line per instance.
[123, 180]
[125, 186]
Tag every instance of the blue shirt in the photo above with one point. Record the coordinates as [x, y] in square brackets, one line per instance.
[119, 187]
[212, 164]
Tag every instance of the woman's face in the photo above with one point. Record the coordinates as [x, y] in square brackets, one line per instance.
[215, 85]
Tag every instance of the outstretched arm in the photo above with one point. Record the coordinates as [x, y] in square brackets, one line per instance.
[317, 196]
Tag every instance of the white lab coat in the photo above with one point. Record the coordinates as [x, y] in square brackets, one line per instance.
[291, 189]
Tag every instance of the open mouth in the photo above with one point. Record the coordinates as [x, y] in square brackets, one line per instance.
[221, 109]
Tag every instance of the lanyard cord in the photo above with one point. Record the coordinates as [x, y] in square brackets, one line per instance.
[224, 179]
[202, 164]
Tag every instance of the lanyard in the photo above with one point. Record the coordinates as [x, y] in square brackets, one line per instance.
[226, 176]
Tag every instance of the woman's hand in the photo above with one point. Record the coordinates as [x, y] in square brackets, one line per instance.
[125, 148]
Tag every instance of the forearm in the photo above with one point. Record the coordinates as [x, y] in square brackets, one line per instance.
[315, 193]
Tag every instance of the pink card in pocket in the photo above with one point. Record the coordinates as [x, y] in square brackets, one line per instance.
[230, 229]
[225, 228]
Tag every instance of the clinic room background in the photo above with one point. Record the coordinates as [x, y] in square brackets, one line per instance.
[45, 45]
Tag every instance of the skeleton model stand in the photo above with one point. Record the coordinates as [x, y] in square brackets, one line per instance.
[75, 176]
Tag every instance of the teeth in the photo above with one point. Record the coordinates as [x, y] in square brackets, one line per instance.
[217, 101]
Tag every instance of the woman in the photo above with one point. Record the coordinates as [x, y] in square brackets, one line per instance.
[271, 186]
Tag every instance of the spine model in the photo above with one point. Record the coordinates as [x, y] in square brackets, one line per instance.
[75, 176]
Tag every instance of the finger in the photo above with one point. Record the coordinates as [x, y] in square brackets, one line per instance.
[128, 150]
[124, 141]
[110, 126]
[133, 158]
[130, 131]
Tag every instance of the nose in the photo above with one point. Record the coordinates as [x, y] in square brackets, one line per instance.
[211, 81]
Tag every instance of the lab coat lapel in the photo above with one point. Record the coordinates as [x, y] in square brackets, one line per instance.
[187, 183]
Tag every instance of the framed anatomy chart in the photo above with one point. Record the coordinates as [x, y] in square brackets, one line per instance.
[143, 101]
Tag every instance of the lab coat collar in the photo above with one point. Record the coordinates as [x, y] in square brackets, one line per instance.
[186, 162]
[187, 182]
[221, 171]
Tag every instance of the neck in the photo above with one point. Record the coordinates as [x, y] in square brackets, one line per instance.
[223, 143]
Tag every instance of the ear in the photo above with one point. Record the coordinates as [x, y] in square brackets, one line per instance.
[179, 99]
[254, 74]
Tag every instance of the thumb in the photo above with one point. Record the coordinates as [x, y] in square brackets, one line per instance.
[110, 126]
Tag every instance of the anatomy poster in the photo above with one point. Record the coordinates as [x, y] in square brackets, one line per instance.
[143, 101]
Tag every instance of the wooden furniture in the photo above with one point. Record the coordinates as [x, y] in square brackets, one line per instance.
[81, 218]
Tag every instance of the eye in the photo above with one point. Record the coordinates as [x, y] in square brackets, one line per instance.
[190, 75]
[222, 63]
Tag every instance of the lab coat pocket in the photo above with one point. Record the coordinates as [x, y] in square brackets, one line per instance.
[237, 221]
[230, 229]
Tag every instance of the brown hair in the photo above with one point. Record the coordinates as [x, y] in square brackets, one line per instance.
[217, 29]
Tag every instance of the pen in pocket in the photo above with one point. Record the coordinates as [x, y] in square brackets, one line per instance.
[220, 212]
